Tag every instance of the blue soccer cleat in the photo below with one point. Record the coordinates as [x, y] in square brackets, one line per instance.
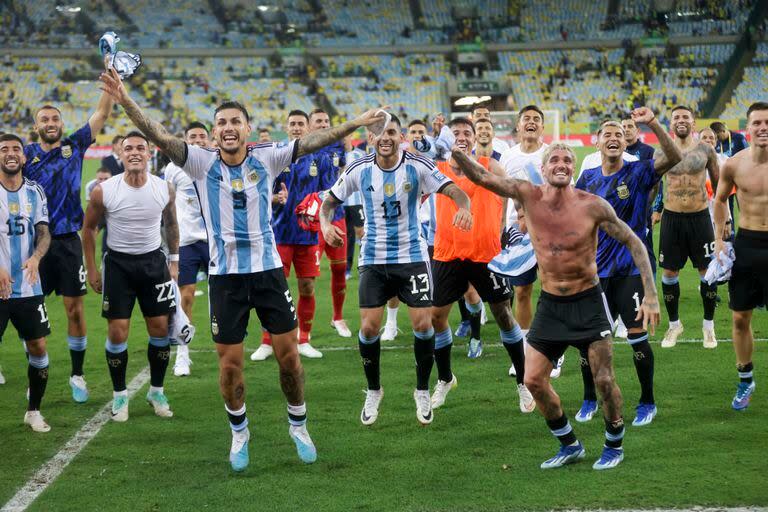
[566, 455]
[474, 349]
[743, 395]
[304, 445]
[588, 409]
[644, 415]
[79, 389]
[238, 454]
[610, 458]
[462, 331]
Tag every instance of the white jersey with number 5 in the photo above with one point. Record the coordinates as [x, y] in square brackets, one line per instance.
[237, 205]
[20, 213]
[391, 201]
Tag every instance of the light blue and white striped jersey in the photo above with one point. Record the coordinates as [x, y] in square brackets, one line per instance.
[191, 223]
[356, 198]
[20, 213]
[428, 219]
[391, 202]
[237, 205]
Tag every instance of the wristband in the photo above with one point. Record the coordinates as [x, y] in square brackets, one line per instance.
[173, 257]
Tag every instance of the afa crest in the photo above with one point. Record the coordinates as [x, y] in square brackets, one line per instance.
[407, 186]
[66, 151]
[622, 191]
[389, 189]
[253, 177]
[13, 208]
[105, 304]
[313, 169]
[237, 185]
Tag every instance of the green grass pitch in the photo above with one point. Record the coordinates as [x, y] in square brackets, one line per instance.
[480, 453]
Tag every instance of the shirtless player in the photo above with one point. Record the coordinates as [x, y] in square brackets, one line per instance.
[563, 224]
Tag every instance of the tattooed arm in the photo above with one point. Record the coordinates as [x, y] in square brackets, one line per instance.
[463, 217]
[174, 148]
[172, 232]
[501, 185]
[616, 228]
[713, 167]
[670, 155]
[321, 138]
[333, 235]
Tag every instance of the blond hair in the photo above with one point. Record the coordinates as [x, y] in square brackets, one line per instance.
[555, 147]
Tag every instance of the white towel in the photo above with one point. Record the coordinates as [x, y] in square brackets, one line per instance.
[719, 268]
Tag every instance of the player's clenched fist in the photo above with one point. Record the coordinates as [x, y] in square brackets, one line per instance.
[463, 219]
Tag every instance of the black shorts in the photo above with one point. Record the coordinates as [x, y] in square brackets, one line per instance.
[410, 282]
[624, 296]
[577, 320]
[683, 236]
[127, 277]
[232, 296]
[192, 259]
[61, 269]
[526, 278]
[452, 278]
[355, 215]
[748, 287]
[28, 315]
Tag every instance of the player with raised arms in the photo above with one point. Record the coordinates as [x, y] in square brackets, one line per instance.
[563, 224]
[234, 184]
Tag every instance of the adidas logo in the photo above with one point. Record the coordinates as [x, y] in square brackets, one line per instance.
[425, 297]
[370, 189]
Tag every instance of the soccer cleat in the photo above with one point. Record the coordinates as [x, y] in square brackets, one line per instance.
[565, 455]
[36, 421]
[670, 337]
[307, 350]
[588, 409]
[341, 328]
[79, 389]
[483, 314]
[159, 402]
[441, 391]
[555, 373]
[743, 395]
[2, 377]
[710, 341]
[462, 331]
[371, 406]
[183, 362]
[610, 458]
[474, 349]
[390, 333]
[304, 445]
[527, 403]
[262, 353]
[238, 453]
[347, 275]
[423, 406]
[120, 408]
[645, 414]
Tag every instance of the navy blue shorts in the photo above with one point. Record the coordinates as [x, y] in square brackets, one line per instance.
[524, 279]
[192, 259]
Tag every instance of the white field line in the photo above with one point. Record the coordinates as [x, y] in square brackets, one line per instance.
[49, 471]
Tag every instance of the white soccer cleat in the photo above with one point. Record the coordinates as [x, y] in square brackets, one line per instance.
[2, 377]
[483, 314]
[555, 373]
[159, 403]
[341, 328]
[262, 353]
[710, 340]
[307, 350]
[441, 391]
[423, 406]
[390, 333]
[305, 448]
[36, 421]
[183, 362]
[527, 403]
[238, 452]
[120, 408]
[371, 406]
[670, 337]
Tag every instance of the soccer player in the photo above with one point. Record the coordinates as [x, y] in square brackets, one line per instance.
[102, 175]
[394, 259]
[707, 136]
[635, 146]
[335, 161]
[485, 138]
[234, 184]
[748, 287]
[461, 258]
[627, 186]
[135, 268]
[353, 209]
[193, 239]
[729, 142]
[686, 228]
[23, 243]
[264, 135]
[56, 164]
[571, 310]
[481, 111]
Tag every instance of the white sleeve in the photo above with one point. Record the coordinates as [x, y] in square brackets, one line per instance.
[198, 161]
[41, 213]
[277, 156]
[431, 179]
[347, 184]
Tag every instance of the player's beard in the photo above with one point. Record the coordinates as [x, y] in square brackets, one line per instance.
[47, 138]
[682, 135]
[8, 171]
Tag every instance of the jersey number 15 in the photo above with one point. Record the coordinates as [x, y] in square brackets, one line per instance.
[17, 227]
